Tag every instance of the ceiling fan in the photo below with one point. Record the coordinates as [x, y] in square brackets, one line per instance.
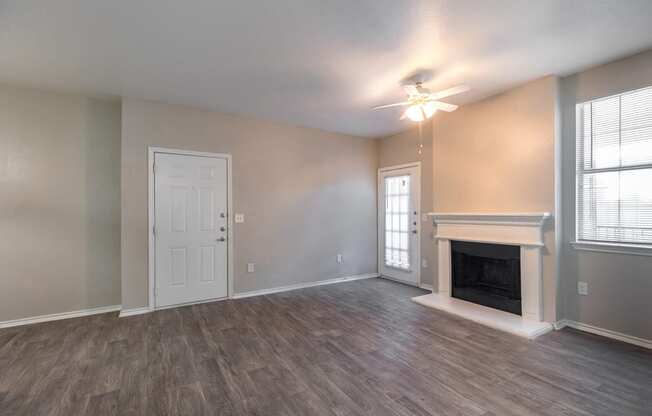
[423, 104]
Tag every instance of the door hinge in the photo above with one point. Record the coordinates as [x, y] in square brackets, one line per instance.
[154, 230]
[154, 167]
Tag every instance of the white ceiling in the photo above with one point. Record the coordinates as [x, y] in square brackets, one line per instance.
[314, 63]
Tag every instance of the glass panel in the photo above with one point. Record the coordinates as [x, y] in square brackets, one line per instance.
[403, 206]
[605, 132]
[404, 257]
[636, 206]
[616, 206]
[403, 222]
[397, 197]
[606, 148]
[404, 187]
[636, 146]
[404, 241]
[395, 206]
[396, 242]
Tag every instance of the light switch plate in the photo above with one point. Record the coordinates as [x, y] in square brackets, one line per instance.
[339, 258]
[424, 263]
[251, 267]
[582, 288]
[239, 218]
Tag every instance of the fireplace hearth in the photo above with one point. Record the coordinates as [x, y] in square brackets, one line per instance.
[487, 274]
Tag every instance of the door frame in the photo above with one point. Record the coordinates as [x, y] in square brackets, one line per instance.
[151, 220]
[381, 215]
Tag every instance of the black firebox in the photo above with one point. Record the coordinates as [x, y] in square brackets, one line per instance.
[487, 274]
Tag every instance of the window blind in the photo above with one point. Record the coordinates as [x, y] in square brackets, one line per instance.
[614, 168]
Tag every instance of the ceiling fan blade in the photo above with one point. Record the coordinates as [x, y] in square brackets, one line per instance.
[391, 105]
[411, 90]
[450, 91]
[445, 106]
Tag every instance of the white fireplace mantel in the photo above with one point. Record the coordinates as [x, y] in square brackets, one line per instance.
[521, 229]
[524, 229]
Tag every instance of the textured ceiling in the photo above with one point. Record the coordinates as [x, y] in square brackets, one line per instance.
[313, 63]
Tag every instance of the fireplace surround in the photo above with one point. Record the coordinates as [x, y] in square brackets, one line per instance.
[523, 232]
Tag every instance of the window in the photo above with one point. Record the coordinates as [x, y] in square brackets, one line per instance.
[397, 211]
[614, 169]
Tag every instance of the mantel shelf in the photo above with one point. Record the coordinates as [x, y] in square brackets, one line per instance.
[515, 218]
[501, 228]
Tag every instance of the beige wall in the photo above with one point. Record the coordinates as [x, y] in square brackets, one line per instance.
[400, 149]
[59, 203]
[307, 195]
[620, 286]
[497, 155]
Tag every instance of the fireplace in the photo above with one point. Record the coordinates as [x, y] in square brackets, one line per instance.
[487, 274]
[494, 259]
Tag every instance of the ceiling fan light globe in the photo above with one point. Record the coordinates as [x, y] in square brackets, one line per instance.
[429, 109]
[415, 113]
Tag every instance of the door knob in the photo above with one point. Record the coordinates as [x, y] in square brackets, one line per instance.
[221, 239]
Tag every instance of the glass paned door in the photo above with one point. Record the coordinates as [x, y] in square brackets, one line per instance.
[398, 206]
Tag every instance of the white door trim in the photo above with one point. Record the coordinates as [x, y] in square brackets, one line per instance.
[380, 213]
[151, 249]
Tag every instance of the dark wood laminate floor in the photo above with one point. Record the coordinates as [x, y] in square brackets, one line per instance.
[358, 348]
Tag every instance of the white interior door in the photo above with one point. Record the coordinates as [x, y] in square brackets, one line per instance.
[399, 226]
[191, 228]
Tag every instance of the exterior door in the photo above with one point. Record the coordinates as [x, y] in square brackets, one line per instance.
[190, 228]
[399, 211]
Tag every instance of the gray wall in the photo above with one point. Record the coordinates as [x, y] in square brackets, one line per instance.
[497, 155]
[400, 149]
[620, 286]
[59, 203]
[306, 195]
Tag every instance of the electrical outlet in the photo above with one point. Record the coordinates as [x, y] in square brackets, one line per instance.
[239, 218]
[424, 263]
[251, 267]
[339, 258]
[582, 288]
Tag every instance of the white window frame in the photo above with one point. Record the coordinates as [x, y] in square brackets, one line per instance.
[599, 246]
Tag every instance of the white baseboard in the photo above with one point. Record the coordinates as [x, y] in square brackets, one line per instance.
[382, 276]
[134, 311]
[261, 292]
[146, 309]
[561, 324]
[630, 339]
[59, 316]
[426, 287]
